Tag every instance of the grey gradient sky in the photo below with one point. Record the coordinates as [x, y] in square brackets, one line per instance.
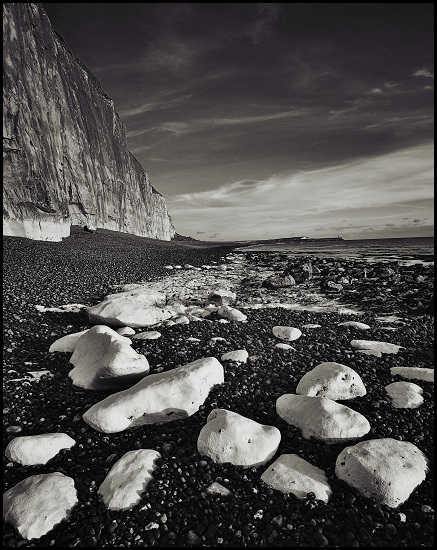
[258, 121]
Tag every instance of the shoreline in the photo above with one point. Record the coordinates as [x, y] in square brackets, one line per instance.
[87, 269]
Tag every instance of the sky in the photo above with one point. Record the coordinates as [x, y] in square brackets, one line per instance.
[267, 120]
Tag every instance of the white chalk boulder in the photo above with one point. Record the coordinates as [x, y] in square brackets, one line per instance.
[331, 380]
[29, 450]
[67, 343]
[231, 313]
[322, 418]
[414, 373]
[354, 324]
[374, 345]
[103, 360]
[38, 503]
[384, 469]
[128, 478]
[230, 437]
[125, 331]
[140, 307]
[284, 346]
[405, 395]
[157, 398]
[237, 356]
[149, 335]
[292, 474]
[287, 333]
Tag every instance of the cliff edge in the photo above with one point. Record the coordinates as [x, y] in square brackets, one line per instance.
[65, 156]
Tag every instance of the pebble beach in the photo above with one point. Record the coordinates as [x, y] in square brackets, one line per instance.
[395, 299]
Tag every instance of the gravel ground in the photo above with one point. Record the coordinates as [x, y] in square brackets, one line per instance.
[82, 269]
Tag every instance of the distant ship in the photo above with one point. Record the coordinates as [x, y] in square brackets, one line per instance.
[315, 239]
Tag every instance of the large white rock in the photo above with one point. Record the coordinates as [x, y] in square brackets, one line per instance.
[67, 343]
[414, 373]
[405, 395]
[232, 314]
[140, 307]
[128, 478]
[374, 345]
[38, 503]
[292, 474]
[384, 469]
[354, 324]
[103, 360]
[30, 450]
[230, 437]
[331, 380]
[322, 418]
[157, 398]
[287, 333]
[238, 356]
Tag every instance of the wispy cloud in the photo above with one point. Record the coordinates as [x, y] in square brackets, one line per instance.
[424, 72]
[309, 199]
[154, 106]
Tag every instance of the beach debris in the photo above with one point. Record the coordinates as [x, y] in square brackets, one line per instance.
[66, 343]
[405, 395]
[414, 373]
[373, 345]
[149, 335]
[322, 418]
[354, 324]
[331, 286]
[157, 398]
[286, 333]
[222, 297]
[103, 359]
[387, 470]
[38, 503]
[292, 474]
[276, 281]
[331, 380]
[128, 479]
[312, 325]
[30, 450]
[230, 437]
[237, 356]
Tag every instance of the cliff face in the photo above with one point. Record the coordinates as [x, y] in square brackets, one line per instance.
[65, 156]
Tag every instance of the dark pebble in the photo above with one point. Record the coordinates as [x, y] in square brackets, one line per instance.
[193, 539]
[320, 539]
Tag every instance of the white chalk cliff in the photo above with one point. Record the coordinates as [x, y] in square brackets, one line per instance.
[65, 156]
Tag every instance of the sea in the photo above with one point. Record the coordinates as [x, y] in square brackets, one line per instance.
[405, 251]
